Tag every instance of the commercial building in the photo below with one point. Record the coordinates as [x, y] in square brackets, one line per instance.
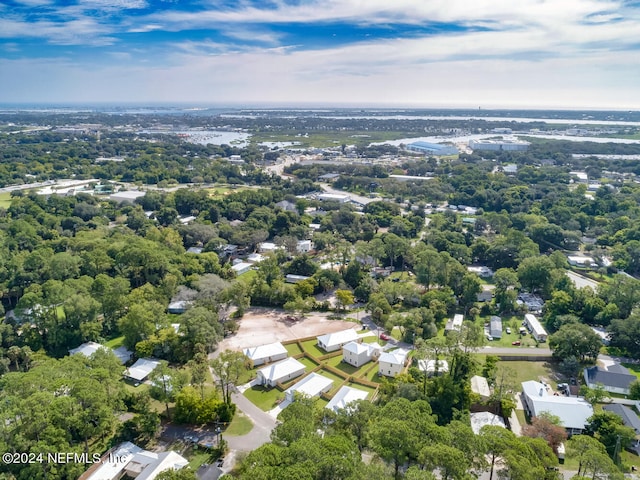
[504, 145]
[436, 149]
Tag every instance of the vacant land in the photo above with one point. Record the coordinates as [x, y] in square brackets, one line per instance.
[262, 325]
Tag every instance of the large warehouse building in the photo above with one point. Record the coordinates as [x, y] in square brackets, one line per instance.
[432, 148]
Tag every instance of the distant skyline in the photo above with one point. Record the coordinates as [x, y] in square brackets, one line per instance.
[395, 53]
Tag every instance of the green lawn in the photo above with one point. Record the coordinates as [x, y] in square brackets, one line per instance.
[293, 349]
[307, 362]
[5, 199]
[311, 347]
[240, 425]
[523, 371]
[263, 398]
[342, 366]
[115, 342]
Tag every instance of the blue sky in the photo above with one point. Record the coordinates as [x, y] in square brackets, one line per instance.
[457, 53]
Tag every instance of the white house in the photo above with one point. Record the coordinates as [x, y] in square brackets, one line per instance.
[313, 385]
[281, 371]
[431, 367]
[344, 397]
[242, 267]
[140, 370]
[331, 342]
[132, 461]
[480, 419]
[573, 412]
[455, 323]
[480, 386]
[357, 354]
[392, 363]
[270, 352]
[534, 326]
[304, 246]
[614, 378]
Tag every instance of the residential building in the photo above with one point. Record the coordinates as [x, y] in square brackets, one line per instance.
[535, 328]
[331, 342]
[268, 353]
[431, 367]
[130, 461]
[357, 354]
[480, 419]
[614, 378]
[392, 363]
[629, 418]
[281, 371]
[139, 371]
[344, 397]
[89, 348]
[313, 385]
[455, 323]
[573, 412]
[242, 267]
[495, 327]
[480, 386]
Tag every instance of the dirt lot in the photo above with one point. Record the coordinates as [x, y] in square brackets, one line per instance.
[262, 325]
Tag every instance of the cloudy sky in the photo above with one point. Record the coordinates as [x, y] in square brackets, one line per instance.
[456, 53]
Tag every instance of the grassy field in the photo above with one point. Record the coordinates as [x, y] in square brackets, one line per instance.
[240, 425]
[311, 347]
[293, 349]
[115, 342]
[5, 199]
[263, 398]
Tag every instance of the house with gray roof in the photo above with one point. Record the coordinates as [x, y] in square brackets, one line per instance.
[614, 378]
[629, 418]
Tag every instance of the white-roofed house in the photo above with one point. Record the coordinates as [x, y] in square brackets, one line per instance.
[573, 412]
[357, 354]
[480, 386]
[89, 348]
[429, 367]
[270, 352]
[281, 371]
[313, 385]
[344, 397]
[331, 342]
[392, 363]
[140, 370]
[480, 419]
[132, 461]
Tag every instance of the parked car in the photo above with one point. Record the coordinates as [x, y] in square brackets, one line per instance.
[517, 343]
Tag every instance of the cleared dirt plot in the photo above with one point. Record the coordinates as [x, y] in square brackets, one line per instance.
[264, 325]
